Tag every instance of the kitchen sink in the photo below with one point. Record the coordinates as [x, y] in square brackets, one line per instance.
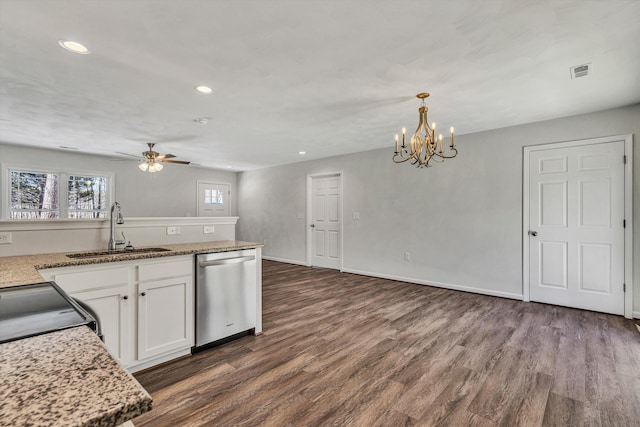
[95, 254]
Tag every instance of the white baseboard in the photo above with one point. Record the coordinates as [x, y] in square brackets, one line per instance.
[288, 261]
[635, 314]
[438, 284]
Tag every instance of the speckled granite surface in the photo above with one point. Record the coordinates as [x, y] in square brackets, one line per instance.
[18, 270]
[66, 378]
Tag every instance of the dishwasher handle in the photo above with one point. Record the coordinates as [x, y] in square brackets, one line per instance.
[226, 261]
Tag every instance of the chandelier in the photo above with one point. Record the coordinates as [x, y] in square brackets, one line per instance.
[423, 146]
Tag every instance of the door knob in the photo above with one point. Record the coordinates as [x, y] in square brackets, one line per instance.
[125, 297]
[533, 233]
[143, 294]
[312, 225]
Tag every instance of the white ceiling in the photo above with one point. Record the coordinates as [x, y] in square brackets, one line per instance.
[325, 77]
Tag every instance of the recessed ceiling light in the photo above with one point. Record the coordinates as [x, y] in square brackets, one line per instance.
[203, 89]
[202, 120]
[74, 47]
[302, 153]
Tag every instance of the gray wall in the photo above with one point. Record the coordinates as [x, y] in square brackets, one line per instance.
[170, 193]
[461, 220]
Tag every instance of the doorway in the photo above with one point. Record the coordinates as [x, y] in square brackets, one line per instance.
[213, 199]
[577, 224]
[324, 217]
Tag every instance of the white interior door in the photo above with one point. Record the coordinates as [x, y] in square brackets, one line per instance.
[576, 237]
[213, 199]
[325, 221]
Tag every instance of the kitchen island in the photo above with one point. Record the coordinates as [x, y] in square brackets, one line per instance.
[69, 377]
[66, 378]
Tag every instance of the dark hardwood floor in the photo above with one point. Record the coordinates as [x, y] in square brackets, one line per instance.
[348, 350]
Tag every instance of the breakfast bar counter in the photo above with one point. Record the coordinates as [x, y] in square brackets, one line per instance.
[19, 270]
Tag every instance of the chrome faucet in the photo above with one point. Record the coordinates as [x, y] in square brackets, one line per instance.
[113, 243]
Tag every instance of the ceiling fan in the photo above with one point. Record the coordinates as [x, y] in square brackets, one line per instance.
[153, 159]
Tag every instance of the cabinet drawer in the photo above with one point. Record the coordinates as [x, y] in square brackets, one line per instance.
[163, 270]
[81, 281]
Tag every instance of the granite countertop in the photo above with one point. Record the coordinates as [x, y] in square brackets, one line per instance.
[38, 388]
[19, 270]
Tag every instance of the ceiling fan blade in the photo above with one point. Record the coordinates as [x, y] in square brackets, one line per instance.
[180, 162]
[165, 156]
[126, 154]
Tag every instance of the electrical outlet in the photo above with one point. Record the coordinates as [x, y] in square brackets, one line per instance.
[407, 256]
[208, 229]
[173, 230]
[5, 238]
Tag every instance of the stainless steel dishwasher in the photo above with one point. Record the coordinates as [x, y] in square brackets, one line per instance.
[225, 296]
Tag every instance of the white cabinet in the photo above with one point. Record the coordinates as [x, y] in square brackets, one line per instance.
[106, 290]
[165, 308]
[145, 307]
[111, 306]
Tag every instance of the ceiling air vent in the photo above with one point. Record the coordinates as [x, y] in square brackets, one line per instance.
[580, 70]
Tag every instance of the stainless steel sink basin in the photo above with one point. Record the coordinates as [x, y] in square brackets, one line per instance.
[95, 254]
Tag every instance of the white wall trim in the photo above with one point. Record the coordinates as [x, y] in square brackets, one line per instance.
[636, 314]
[628, 212]
[129, 222]
[628, 231]
[287, 261]
[450, 286]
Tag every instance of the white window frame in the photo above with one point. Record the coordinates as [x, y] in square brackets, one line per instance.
[63, 196]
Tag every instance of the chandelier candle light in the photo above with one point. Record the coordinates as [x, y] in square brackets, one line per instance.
[423, 146]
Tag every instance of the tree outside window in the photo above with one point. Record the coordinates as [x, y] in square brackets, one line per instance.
[34, 195]
[87, 196]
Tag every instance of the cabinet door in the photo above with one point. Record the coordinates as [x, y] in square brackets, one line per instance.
[111, 306]
[165, 316]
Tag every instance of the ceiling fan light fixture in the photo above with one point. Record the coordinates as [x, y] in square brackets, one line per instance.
[152, 160]
[74, 47]
[154, 167]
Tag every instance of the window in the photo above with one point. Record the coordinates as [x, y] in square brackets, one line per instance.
[213, 197]
[87, 196]
[34, 195]
[42, 195]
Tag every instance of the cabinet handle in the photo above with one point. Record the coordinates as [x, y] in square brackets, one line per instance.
[143, 294]
[125, 297]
